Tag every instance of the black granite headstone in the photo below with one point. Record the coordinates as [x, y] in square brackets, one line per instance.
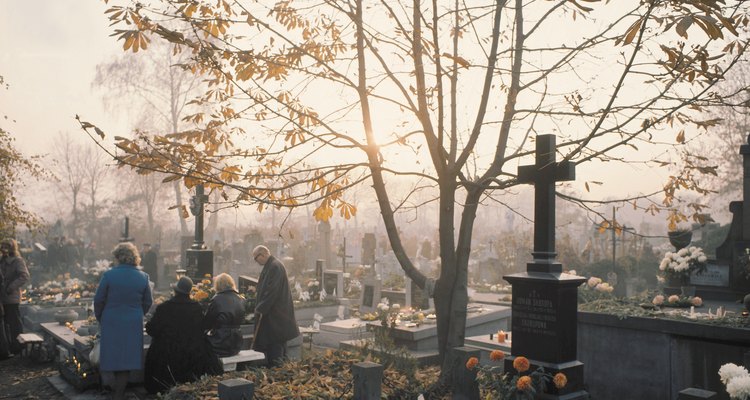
[545, 300]
[732, 250]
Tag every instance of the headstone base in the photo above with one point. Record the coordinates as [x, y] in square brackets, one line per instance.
[579, 395]
[573, 370]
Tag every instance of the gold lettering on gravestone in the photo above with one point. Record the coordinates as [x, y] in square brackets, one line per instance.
[534, 314]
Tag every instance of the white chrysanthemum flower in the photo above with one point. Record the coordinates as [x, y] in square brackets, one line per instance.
[702, 259]
[664, 264]
[729, 371]
[739, 388]
[396, 306]
[682, 252]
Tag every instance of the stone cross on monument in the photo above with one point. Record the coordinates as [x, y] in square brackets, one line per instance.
[543, 175]
[545, 300]
[200, 261]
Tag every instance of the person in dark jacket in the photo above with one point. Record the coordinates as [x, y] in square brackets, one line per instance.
[150, 262]
[4, 344]
[223, 318]
[16, 275]
[179, 351]
[274, 309]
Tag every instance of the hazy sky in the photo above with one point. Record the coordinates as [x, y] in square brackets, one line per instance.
[49, 50]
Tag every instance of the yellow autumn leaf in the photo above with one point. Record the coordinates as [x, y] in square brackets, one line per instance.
[680, 136]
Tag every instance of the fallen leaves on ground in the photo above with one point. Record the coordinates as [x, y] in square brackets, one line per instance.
[322, 376]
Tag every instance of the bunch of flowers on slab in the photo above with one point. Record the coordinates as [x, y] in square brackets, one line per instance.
[737, 381]
[677, 301]
[679, 264]
[203, 291]
[523, 384]
[595, 289]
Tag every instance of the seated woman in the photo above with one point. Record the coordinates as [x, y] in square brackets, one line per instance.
[179, 351]
[223, 318]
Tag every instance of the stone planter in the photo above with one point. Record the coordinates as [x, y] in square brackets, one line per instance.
[680, 239]
[64, 316]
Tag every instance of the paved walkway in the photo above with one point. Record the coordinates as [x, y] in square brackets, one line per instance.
[67, 390]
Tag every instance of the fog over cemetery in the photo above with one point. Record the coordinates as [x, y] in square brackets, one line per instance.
[499, 199]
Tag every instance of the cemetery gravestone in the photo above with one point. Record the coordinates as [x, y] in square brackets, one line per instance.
[728, 277]
[370, 297]
[244, 283]
[319, 270]
[200, 261]
[324, 247]
[416, 297]
[333, 282]
[368, 249]
[545, 300]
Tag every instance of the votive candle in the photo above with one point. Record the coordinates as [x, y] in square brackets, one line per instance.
[500, 336]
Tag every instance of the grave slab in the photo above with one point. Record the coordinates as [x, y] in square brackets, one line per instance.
[334, 332]
[481, 319]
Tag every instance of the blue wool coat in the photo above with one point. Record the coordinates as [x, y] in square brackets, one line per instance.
[121, 300]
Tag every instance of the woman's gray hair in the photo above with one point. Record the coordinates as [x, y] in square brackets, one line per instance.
[224, 282]
[126, 253]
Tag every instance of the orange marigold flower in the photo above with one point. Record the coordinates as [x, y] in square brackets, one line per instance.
[473, 361]
[524, 383]
[497, 355]
[560, 380]
[521, 364]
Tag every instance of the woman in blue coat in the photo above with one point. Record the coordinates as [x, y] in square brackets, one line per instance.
[121, 300]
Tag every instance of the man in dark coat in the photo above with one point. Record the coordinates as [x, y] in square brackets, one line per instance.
[274, 309]
[4, 344]
[179, 351]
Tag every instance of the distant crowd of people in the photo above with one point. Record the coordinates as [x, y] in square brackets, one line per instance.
[186, 342]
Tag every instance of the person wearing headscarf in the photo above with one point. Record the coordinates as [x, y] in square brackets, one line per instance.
[179, 351]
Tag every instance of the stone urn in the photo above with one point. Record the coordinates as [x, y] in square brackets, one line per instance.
[64, 316]
[680, 239]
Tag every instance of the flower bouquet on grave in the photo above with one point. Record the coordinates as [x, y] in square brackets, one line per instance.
[676, 267]
[595, 289]
[524, 384]
[203, 292]
[737, 381]
[677, 301]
